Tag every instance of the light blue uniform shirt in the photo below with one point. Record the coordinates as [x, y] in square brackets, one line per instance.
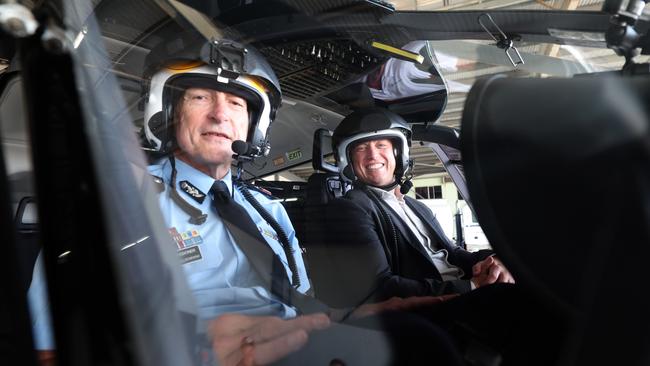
[218, 272]
[39, 308]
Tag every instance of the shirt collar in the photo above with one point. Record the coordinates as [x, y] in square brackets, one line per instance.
[386, 194]
[199, 179]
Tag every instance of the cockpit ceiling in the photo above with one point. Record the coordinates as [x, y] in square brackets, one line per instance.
[310, 68]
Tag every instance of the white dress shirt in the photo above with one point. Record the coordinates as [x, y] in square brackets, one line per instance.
[438, 256]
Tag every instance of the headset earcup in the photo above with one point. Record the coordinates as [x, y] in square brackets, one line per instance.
[348, 172]
[156, 127]
[163, 132]
[399, 162]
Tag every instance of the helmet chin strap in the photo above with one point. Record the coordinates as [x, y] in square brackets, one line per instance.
[387, 187]
[405, 186]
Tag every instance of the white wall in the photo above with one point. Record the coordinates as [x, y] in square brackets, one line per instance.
[447, 207]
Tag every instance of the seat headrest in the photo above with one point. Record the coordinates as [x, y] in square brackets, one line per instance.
[559, 173]
[323, 187]
[322, 145]
[558, 164]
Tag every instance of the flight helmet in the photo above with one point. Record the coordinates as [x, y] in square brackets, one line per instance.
[373, 124]
[223, 65]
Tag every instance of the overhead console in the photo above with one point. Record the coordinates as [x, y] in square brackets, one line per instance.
[310, 68]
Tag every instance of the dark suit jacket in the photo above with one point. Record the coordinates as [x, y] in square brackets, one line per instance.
[366, 263]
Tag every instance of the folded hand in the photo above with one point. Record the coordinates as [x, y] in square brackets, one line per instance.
[490, 270]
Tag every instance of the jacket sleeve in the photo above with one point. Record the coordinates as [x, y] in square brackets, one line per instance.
[360, 264]
[457, 255]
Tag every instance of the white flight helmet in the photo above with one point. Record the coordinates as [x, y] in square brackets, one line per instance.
[373, 124]
[192, 61]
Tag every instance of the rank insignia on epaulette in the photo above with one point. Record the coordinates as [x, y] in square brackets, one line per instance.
[192, 191]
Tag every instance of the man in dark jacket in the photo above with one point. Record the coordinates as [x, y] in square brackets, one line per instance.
[383, 243]
[377, 243]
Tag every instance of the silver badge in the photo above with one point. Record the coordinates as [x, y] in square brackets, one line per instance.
[192, 191]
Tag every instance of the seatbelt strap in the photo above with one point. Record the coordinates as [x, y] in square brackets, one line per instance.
[263, 259]
[282, 236]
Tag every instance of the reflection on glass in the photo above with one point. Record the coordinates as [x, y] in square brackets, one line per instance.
[397, 79]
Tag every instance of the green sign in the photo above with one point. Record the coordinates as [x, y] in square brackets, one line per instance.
[294, 155]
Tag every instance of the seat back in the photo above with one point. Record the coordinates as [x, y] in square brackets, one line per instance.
[292, 196]
[559, 172]
[322, 188]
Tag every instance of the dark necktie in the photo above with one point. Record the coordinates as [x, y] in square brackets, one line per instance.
[262, 258]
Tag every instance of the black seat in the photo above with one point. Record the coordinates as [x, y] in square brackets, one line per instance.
[26, 229]
[292, 196]
[322, 186]
[561, 186]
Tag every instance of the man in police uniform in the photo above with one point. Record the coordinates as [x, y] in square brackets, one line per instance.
[209, 121]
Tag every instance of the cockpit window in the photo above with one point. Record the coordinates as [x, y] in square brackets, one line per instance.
[188, 131]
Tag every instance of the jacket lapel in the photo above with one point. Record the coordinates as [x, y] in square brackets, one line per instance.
[407, 234]
[437, 234]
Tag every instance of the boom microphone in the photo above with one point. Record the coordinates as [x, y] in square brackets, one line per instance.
[406, 186]
[243, 148]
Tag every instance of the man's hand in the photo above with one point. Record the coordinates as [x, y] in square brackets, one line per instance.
[398, 304]
[46, 357]
[243, 340]
[490, 270]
